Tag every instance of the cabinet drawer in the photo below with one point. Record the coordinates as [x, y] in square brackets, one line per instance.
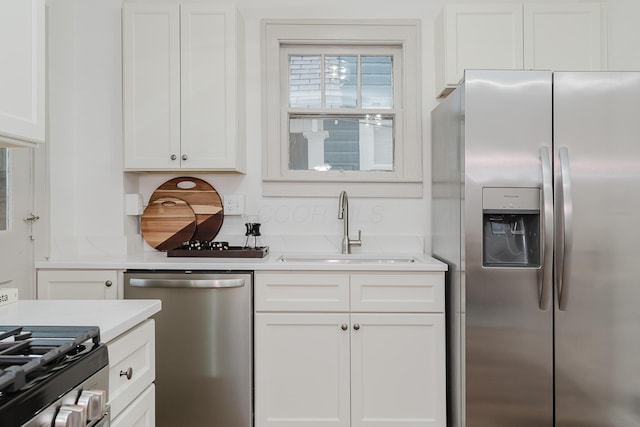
[141, 412]
[311, 291]
[132, 352]
[78, 284]
[393, 292]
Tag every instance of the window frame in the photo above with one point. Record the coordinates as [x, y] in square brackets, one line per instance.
[280, 38]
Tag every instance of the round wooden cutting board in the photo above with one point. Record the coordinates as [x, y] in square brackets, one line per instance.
[167, 222]
[203, 199]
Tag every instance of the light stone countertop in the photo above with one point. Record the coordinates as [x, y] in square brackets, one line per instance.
[92, 255]
[113, 317]
[273, 261]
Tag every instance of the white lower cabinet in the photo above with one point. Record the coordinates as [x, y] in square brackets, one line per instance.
[302, 369]
[141, 412]
[316, 367]
[79, 284]
[132, 371]
[397, 370]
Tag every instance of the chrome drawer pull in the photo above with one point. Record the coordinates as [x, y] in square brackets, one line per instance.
[128, 373]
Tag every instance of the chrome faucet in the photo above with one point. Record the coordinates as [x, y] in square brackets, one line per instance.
[343, 213]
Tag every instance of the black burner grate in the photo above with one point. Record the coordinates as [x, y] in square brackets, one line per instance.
[29, 353]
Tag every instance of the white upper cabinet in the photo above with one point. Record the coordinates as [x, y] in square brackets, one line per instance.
[477, 36]
[182, 87]
[564, 37]
[22, 74]
[541, 36]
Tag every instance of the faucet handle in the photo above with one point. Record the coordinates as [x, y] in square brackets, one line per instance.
[357, 242]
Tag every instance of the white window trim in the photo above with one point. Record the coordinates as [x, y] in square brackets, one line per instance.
[278, 180]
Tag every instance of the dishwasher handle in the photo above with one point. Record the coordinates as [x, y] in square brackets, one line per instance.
[187, 283]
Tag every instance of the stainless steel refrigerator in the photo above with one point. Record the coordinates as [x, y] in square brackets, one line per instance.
[536, 210]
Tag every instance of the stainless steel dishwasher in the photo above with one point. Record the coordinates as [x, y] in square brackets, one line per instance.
[204, 345]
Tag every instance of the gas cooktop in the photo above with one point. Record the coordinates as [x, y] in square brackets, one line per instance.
[38, 364]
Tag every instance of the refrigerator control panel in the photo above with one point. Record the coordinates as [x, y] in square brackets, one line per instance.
[510, 198]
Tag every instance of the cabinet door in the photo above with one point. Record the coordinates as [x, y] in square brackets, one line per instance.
[301, 370]
[564, 37]
[141, 412]
[151, 80]
[397, 370]
[78, 284]
[208, 86]
[22, 74]
[478, 36]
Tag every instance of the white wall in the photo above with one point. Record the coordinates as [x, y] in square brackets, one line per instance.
[86, 140]
[316, 216]
[85, 136]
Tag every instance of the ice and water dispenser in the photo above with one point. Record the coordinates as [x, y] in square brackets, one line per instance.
[511, 227]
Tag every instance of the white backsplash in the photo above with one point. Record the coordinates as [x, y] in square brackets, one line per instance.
[87, 246]
[333, 244]
[329, 244]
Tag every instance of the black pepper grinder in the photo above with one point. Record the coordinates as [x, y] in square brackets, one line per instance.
[252, 232]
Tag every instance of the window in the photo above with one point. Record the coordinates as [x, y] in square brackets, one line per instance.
[342, 108]
[4, 189]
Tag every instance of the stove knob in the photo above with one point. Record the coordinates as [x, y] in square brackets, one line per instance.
[94, 402]
[70, 416]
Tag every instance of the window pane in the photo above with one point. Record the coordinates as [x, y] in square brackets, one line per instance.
[305, 81]
[341, 81]
[4, 184]
[377, 82]
[343, 143]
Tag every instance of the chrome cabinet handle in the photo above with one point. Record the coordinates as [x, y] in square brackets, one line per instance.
[344, 327]
[128, 373]
[108, 283]
[173, 157]
[546, 273]
[566, 236]
[184, 157]
[356, 326]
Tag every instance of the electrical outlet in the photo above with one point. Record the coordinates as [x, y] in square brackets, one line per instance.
[234, 204]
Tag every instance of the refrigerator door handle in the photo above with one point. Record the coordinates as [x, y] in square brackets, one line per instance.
[566, 237]
[546, 272]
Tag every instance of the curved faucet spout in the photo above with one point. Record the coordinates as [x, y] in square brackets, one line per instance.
[343, 204]
[343, 214]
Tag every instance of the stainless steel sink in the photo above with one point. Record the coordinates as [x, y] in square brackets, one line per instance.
[345, 259]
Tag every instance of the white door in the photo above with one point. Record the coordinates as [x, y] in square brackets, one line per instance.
[302, 370]
[483, 36]
[397, 370]
[16, 204]
[564, 37]
[151, 79]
